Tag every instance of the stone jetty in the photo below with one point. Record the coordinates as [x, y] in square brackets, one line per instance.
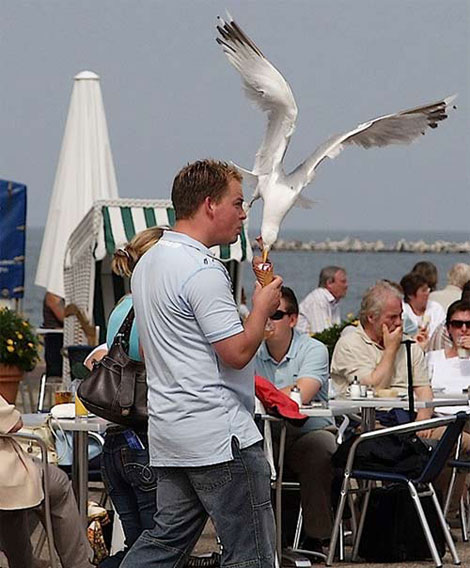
[352, 244]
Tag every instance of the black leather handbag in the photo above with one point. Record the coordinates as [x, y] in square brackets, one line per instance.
[116, 388]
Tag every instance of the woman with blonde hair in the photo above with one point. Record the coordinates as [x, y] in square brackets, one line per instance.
[123, 263]
[125, 259]
[130, 481]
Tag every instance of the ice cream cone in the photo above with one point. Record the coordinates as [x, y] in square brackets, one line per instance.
[264, 273]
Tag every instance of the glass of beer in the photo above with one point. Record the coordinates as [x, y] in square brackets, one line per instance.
[63, 396]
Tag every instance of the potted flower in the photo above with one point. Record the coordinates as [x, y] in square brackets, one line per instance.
[18, 352]
[330, 335]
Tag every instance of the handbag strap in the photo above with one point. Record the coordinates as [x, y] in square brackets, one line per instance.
[124, 332]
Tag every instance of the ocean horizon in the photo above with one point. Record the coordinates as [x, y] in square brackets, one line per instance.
[300, 269]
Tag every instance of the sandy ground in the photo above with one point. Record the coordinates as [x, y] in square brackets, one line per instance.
[207, 542]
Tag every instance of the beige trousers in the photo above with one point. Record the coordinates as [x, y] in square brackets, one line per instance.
[70, 539]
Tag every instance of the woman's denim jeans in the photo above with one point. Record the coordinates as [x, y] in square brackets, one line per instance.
[130, 482]
[235, 494]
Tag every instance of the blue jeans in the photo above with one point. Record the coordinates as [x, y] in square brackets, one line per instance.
[131, 483]
[235, 494]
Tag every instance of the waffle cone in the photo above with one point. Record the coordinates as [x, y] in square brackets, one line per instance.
[264, 276]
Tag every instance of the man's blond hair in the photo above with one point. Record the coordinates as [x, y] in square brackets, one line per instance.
[196, 181]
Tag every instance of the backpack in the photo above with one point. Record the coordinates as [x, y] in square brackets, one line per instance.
[392, 530]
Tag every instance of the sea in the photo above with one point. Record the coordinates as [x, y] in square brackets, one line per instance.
[300, 269]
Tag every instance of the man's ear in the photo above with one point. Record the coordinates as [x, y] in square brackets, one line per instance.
[329, 282]
[209, 205]
[293, 319]
[370, 318]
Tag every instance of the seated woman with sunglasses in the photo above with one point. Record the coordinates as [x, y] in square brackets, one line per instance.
[449, 368]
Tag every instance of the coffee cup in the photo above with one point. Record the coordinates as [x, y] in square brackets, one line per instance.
[354, 390]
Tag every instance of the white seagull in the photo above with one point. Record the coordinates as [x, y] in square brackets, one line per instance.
[272, 94]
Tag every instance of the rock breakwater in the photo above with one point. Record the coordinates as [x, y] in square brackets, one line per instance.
[352, 244]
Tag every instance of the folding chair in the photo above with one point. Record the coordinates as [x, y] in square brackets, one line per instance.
[295, 485]
[45, 482]
[458, 464]
[276, 472]
[433, 467]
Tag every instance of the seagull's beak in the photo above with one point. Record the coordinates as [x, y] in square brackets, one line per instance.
[259, 240]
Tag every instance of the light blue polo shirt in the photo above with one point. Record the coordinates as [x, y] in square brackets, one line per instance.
[183, 303]
[306, 357]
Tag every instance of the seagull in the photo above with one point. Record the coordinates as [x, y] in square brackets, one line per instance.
[268, 89]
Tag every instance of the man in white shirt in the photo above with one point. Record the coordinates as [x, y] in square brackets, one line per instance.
[320, 309]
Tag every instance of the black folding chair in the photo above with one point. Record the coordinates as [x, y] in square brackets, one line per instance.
[437, 460]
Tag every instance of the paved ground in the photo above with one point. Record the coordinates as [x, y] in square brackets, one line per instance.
[207, 542]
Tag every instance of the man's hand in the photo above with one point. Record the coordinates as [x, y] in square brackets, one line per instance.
[16, 427]
[422, 338]
[464, 341]
[236, 351]
[425, 433]
[267, 299]
[392, 339]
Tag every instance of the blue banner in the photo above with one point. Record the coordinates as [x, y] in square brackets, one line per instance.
[12, 238]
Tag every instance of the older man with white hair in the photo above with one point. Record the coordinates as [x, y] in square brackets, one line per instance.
[374, 353]
[457, 277]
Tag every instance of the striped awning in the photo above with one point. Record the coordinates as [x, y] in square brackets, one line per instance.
[121, 223]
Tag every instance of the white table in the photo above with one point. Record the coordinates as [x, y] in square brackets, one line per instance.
[368, 406]
[332, 410]
[80, 428]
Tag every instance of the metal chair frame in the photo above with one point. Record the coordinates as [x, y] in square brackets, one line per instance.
[295, 486]
[45, 482]
[435, 464]
[456, 464]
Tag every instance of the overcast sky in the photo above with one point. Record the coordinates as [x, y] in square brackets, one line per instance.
[171, 97]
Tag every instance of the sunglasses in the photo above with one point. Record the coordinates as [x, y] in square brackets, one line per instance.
[278, 315]
[458, 324]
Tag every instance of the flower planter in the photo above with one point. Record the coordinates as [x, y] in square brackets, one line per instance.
[10, 377]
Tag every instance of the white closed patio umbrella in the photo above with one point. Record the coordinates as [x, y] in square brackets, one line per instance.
[85, 174]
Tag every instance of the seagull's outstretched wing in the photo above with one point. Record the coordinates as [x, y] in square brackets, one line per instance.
[399, 128]
[267, 88]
